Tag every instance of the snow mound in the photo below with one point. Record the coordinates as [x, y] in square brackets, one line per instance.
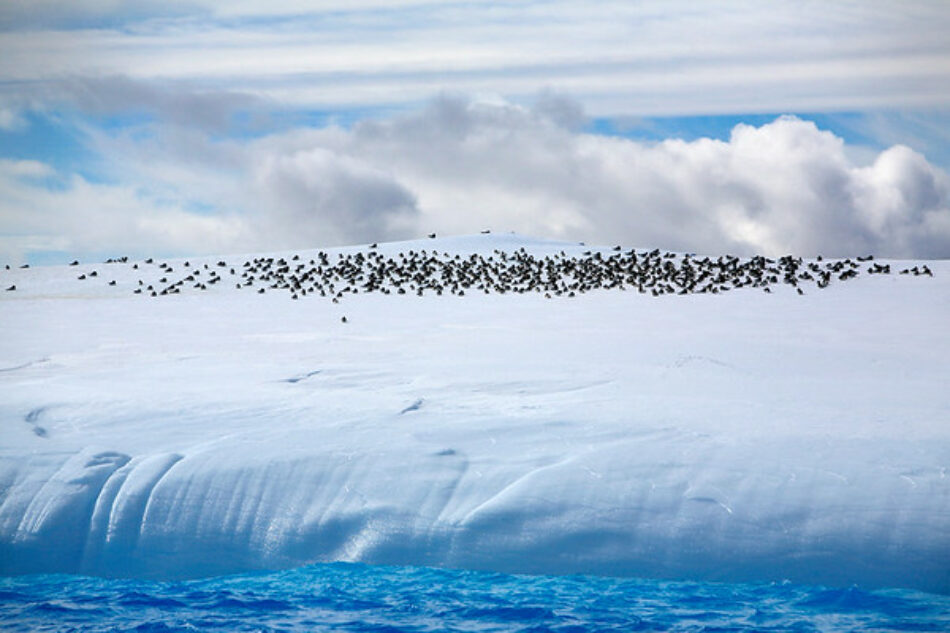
[742, 436]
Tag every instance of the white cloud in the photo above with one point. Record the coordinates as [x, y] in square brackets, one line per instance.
[177, 104]
[11, 120]
[783, 187]
[459, 166]
[78, 216]
[618, 58]
[25, 168]
[318, 196]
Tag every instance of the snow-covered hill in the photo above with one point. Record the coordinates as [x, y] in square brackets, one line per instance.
[741, 435]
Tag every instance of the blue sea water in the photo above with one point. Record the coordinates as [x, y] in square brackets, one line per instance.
[348, 597]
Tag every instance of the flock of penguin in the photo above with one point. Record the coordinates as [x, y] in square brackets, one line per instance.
[422, 271]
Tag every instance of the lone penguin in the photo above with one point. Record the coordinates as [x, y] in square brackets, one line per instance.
[343, 319]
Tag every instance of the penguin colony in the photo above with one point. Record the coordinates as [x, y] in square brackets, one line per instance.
[418, 272]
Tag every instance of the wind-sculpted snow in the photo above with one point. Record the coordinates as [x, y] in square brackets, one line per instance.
[742, 436]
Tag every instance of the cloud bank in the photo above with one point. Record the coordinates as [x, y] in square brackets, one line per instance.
[654, 57]
[462, 165]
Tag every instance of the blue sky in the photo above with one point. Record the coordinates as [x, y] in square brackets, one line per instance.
[193, 126]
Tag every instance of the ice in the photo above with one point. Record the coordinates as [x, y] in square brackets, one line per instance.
[740, 437]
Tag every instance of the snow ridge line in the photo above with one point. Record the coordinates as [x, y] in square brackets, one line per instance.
[567, 272]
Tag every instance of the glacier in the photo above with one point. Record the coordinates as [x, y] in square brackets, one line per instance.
[739, 437]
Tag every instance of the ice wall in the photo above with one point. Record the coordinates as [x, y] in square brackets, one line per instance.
[663, 504]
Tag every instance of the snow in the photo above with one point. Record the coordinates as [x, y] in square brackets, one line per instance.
[740, 437]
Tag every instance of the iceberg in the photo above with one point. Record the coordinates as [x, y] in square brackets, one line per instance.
[737, 436]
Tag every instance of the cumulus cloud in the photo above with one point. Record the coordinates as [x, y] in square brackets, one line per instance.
[461, 165]
[783, 187]
[318, 196]
[184, 193]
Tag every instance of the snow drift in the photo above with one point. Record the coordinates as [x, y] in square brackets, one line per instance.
[742, 436]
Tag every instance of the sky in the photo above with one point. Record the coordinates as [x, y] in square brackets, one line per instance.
[197, 127]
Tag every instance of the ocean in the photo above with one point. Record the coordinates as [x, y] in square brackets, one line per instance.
[355, 597]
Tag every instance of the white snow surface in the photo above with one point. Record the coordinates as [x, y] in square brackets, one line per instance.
[739, 437]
